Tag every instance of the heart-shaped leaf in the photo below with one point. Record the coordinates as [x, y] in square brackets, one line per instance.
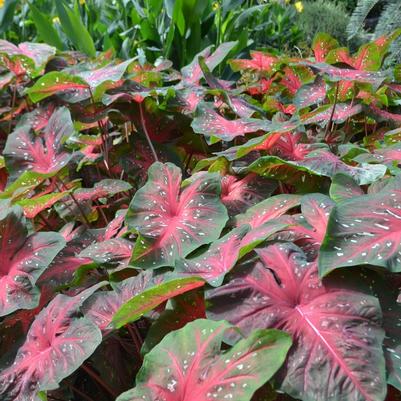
[189, 365]
[57, 343]
[44, 154]
[218, 260]
[365, 229]
[337, 352]
[172, 223]
[24, 258]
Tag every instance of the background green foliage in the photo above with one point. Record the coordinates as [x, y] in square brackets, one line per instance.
[148, 29]
[323, 16]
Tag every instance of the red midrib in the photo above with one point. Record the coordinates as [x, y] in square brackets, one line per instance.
[334, 353]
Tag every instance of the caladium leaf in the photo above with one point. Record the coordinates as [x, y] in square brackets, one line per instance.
[102, 189]
[268, 210]
[316, 210]
[312, 223]
[199, 370]
[23, 259]
[44, 154]
[38, 118]
[289, 172]
[57, 343]
[322, 44]
[239, 194]
[210, 123]
[63, 267]
[368, 57]
[311, 94]
[70, 88]
[344, 74]
[179, 311]
[259, 62]
[111, 251]
[33, 206]
[137, 306]
[337, 352]
[344, 187]
[323, 162]
[218, 260]
[37, 52]
[365, 229]
[74, 88]
[323, 114]
[132, 298]
[172, 223]
[385, 287]
[192, 73]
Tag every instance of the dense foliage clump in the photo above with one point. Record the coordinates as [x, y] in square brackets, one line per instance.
[173, 235]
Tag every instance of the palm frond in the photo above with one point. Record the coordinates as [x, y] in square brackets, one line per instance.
[358, 17]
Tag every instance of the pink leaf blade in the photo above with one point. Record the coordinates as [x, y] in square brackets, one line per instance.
[280, 289]
[57, 343]
[218, 260]
[366, 229]
[24, 258]
[172, 223]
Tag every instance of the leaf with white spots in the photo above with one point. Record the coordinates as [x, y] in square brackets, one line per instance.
[311, 94]
[337, 353]
[239, 194]
[343, 187]
[112, 251]
[259, 62]
[310, 227]
[344, 74]
[316, 210]
[58, 342]
[103, 189]
[179, 311]
[190, 365]
[365, 229]
[192, 73]
[23, 259]
[287, 171]
[325, 163]
[161, 289]
[338, 113]
[68, 87]
[44, 153]
[172, 222]
[268, 210]
[218, 260]
[33, 206]
[26, 57]
[210, 123]
[322, 44]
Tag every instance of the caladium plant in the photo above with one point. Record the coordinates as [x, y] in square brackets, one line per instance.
[365, 229]
[199, 370]
[45, 154]
[172, 222]
[57, 343]
[23, 259]
[331, 327]
[141, 208]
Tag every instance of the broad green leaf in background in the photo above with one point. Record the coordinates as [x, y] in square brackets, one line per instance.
[75, 29]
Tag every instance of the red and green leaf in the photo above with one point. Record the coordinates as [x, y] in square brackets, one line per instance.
[174, 222]
[57, 343]
[24, 258]
[365, 229]
[189, 364]
[337, 335]
[44, 153]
